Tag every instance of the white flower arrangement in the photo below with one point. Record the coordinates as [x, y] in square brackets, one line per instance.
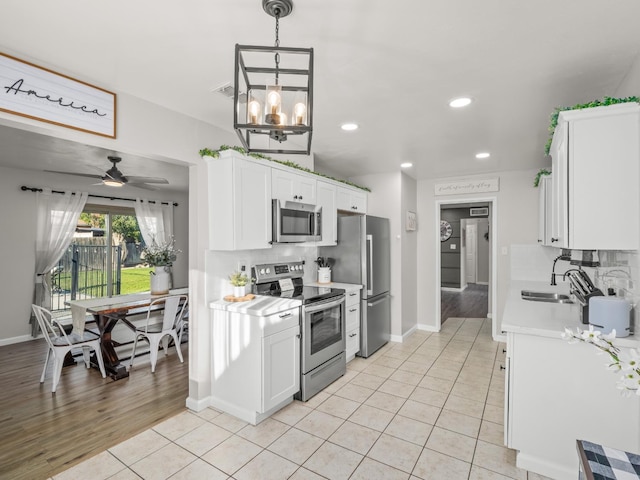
[160, 255]
[626, 363]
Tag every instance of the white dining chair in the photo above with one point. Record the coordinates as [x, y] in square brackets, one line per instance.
[60, 343]
[159, 324]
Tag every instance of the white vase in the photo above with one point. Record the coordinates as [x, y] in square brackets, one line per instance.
[324, 275]
[239, 291]
[160, 280]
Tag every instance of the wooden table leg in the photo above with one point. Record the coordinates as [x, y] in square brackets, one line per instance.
[112, 365]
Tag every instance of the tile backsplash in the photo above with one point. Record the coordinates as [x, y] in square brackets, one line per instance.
[220, 264]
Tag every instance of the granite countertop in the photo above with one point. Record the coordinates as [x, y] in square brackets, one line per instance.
[545, 319]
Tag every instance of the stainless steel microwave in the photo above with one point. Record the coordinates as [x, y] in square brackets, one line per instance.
[296, 222]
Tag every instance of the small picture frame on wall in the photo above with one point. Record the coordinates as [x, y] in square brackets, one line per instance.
[412, 222]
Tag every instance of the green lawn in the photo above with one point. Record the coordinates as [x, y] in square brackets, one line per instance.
[133, 280]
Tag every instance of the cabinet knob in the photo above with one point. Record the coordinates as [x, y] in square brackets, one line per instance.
[554, 239]
[298, 336]
[353, 207]
[295, 197]
[502, 367]
[300, 197]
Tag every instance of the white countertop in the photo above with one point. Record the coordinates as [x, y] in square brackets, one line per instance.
[261, 306]
[346, 286]
[545, 319]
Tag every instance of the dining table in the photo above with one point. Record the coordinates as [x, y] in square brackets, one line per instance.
[107, 312]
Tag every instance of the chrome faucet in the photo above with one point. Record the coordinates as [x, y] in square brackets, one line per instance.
[563, 256]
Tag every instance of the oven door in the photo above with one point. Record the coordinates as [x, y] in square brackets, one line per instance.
[322, 332]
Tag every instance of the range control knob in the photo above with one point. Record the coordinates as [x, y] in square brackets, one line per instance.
[262, 271]
[268, 271]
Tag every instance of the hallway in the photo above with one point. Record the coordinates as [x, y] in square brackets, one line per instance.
[473, 302]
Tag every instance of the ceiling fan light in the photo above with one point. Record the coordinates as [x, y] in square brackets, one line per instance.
[110, 182]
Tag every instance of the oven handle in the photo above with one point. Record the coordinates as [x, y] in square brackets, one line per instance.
[316, 307]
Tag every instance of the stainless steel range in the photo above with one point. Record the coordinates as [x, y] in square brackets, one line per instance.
[323, 339]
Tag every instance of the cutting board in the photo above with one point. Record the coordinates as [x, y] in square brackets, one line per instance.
[246, 298]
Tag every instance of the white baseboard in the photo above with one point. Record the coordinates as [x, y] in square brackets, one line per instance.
[12, 340]
[427, 328]
[453, 289]
[198, 405]
[401, 338]
[482, 283]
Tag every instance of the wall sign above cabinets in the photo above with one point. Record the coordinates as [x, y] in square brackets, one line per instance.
[468, 186]
[35, 92]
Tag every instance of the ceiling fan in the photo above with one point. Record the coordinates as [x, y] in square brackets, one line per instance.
[115, 178]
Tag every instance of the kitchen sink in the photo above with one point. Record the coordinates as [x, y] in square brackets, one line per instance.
[545, 297]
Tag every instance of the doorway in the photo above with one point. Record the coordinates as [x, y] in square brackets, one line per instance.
[466, 259]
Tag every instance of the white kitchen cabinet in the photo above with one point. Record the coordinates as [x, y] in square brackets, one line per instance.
[596, 201]
[557, 393]
[239, 203]
[326, 198]
[351, 200]
[545, 211]
[293, 187]
[255, 362]
[352, 322]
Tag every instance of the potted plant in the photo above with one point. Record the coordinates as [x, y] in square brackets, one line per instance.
[239, 280]
[160, 257]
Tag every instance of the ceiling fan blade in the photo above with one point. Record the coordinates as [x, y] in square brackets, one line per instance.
[133, 178]
[144, 186]
[90, 175]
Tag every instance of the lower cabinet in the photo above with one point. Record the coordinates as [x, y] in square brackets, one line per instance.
[352, 308]
[255, 362]
[557, 393]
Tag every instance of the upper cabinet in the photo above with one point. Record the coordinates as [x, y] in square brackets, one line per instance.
[293, 187]
[239, 204]
[546, 211]
[351, 200]
[595, 184]
[327, 200]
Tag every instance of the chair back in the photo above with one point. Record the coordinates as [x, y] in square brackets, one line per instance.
[174, 306]
[47, 327]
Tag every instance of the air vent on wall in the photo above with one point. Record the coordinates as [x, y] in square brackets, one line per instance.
[479, 212]
[227, 91]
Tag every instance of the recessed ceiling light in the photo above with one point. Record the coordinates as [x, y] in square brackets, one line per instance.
[460, 102]
[406, 165]
[483, 155]
[349, 126]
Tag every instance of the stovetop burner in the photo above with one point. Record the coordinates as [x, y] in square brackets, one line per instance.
[285, 280]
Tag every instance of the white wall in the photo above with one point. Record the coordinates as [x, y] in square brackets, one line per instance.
[409, 247]
[17, 242]
[517, 217]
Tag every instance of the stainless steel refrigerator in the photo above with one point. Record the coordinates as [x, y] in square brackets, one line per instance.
[362, 256]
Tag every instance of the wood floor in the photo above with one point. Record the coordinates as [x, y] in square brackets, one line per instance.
[473, 302]
[42, 434]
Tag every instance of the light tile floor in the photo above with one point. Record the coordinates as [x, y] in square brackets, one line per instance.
[428, 408]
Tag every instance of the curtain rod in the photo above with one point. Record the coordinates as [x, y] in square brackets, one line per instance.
[34, 189]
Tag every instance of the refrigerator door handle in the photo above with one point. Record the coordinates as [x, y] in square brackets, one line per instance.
[373, 304]
[370, 265]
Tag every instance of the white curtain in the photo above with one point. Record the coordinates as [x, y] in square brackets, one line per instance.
[155, 221]
[57, 217]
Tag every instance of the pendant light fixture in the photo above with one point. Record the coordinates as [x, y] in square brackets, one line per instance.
[273, 93]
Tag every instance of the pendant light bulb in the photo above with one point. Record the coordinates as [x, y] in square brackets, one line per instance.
[299, 113]
[254, 111]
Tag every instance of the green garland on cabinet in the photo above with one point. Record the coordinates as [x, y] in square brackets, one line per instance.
[207, 152]
[595, 103]
[543, 171]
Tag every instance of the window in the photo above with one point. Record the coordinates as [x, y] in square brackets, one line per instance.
[103, 258]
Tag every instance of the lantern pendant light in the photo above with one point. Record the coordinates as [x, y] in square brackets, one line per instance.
[273, 93]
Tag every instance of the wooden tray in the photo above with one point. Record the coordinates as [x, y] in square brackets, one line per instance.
[246, 298]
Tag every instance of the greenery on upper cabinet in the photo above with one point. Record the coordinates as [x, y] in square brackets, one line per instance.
[543, 171]
[207, 152]
[595, 103]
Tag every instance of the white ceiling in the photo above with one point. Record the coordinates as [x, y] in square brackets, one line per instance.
[391, 67]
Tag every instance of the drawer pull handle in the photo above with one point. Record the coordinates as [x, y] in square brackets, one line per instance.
[353, 310]
[285, 315]
[353, 294]
[502, 367]
[353, 335]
